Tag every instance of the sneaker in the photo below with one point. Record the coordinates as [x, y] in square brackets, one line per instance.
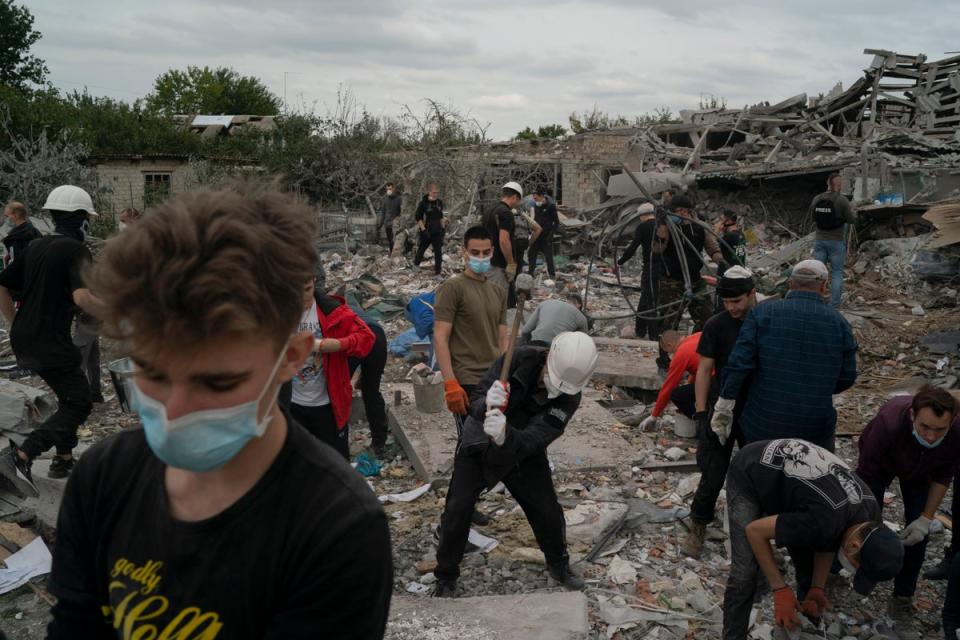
[17, 472]
[445, 589]
[941, 571]
[563, 574]
[900, 610]
[61, 467]
[692, 545]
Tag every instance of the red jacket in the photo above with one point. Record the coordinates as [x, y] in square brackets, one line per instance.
[356, 340]
[686, 359]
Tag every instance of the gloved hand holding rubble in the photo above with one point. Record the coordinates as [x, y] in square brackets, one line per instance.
[786, 608]
[495, 426]
[916, 531]
[816, 603]
[722, 418]
[651, 423]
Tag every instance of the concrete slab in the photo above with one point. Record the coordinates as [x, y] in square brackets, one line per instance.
[631, 343]
[631, 369]
[528, 616]
[592, 439]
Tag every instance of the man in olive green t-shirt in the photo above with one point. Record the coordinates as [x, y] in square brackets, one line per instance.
[470, 323]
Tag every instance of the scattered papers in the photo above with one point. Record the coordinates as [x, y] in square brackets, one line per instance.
[31, 561]
[485, 544]
[407, 496]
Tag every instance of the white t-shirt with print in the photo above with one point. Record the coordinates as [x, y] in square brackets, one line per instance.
[310, 385]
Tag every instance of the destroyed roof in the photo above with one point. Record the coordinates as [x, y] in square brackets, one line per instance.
[904, 107]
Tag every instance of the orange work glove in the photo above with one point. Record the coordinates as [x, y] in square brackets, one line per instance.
[785, 608]
[456, 397]
[816, 603]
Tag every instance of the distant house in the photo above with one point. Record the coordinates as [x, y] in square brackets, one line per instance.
[210, 126]
[141, 181]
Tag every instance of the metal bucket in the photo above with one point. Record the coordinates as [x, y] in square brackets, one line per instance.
[684, 427]
[120, 372]
[429, 398]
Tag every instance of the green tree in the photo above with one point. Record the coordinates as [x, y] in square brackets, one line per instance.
[17, 35]
[551, 131]
[211, 91]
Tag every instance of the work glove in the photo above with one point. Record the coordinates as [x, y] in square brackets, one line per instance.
[650, 424]
[722, 421]
[785, 608]
[916, 531]
[456, 397]
[495, 426]
[816, 603]
[511, 271]
[498, 395]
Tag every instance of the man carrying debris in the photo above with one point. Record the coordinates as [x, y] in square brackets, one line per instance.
[545, 214]
[506, 439]
[22, 233]
[221, 517]
[553, 317]
[917, 441]
[802, 497]
[684, 360]
[793, 355]
[470, 323]
[432, 227]
[389, 211]
[48, 273]
[499, 223]
[644, 238]
[739, 295]
[683, 255]
[831, 211]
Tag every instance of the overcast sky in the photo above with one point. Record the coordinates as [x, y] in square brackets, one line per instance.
[511, 64]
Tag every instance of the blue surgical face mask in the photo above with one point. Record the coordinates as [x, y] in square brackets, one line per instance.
[676, 219]
[928, 445]
[479, 265]
[202, 440]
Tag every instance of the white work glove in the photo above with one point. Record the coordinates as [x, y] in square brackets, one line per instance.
[498, 395]
[722, 421]
[650, 424]
[495, 426]
[916, 531]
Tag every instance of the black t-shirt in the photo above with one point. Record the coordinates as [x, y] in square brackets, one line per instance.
[546, 216]
[813, 493]
[304, 554]
[643, 240]
[737, 253]
[671, 255]
[47, 273]
[497, 218]
[431, 212]
[717, 339]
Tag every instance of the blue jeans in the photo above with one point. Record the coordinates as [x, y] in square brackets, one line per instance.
[951, 605]
[832, 253]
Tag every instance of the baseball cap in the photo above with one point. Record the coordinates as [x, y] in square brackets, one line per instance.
[735, 282]
[681, 202]
[810, 269]
[881, 557]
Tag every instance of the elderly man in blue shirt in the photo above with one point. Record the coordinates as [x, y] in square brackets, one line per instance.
[794, 354]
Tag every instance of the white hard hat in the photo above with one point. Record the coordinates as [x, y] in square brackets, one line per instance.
[69, 198]
[572, 359]
[515, 186]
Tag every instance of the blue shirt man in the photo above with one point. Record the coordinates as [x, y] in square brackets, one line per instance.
[794, 354]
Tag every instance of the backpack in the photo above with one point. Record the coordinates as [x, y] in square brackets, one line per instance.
[521, 228]
[825, 216]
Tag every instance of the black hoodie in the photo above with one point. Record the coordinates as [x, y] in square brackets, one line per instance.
[17, 240]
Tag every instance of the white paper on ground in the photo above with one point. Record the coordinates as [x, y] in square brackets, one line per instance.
[486, 544]
[31, 561]
[406, 496]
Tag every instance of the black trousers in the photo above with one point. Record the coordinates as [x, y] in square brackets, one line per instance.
[529, 483]
[458, 419]
[388, 228]
[951, 604]
[646, 323]
[371, 374]
[544, 245]
[684, 399]
[88, 342]
[436, 240]
[914, 500]
[520, 246]
[713, 459]
[72, 389]
[320, 422]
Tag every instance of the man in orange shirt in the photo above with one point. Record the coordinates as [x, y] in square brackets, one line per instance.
[685, 360]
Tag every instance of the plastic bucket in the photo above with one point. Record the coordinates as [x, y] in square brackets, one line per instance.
[120, 371]
[684, 427]
[429, 398]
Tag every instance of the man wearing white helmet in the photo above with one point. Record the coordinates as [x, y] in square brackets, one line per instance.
[500, 224]
[505, 439]
[48, 272]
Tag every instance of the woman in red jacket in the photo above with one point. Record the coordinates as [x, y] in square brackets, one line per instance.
[321, 393]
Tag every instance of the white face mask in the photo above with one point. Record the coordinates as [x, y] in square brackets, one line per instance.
[845, 562]
[552, 391]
